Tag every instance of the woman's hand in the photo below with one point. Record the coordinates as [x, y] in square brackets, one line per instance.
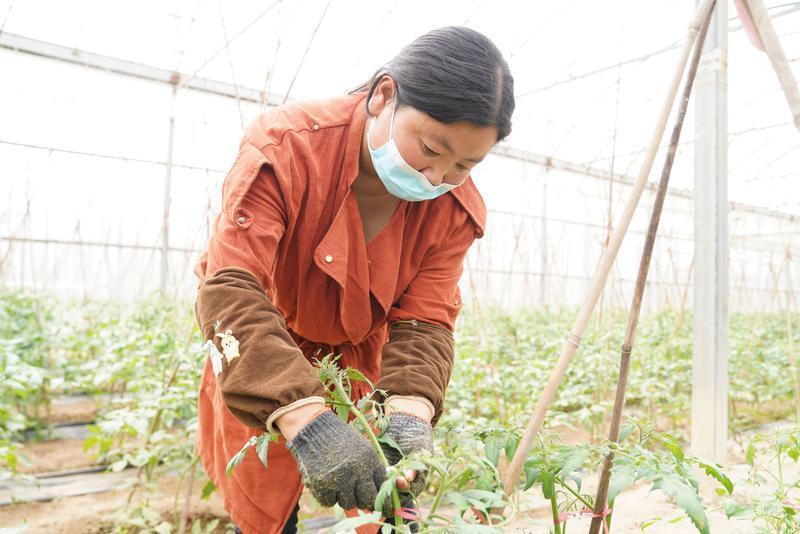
[412, 434]
[422, 412]
[337, 463]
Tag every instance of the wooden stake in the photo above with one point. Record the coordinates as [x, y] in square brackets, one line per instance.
[600, 506]
[606, 261]
[772, 46]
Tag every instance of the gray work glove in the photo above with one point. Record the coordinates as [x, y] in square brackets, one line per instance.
[337, 463]
[411, 434]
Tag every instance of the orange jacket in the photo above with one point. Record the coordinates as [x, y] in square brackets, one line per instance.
[288, 271]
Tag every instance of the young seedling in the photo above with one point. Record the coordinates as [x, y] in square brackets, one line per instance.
[338, 382]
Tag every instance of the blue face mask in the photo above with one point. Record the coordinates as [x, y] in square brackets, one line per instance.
[400, 178]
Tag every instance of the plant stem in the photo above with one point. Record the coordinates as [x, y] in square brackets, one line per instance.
[188, 499]
[370, 434]
[398, 521]
[577, 496]
[439, 492]
[554, 509]
[608, 517]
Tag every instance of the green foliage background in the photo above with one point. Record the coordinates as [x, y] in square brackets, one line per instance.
[142, 362]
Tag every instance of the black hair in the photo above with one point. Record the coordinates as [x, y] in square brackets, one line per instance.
[453, 74]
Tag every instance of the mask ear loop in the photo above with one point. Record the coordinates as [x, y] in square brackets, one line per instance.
[373, 118]
[391, 122]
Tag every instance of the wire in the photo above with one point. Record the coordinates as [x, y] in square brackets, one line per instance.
[594, 72]
[227, 43]
[230, 62]
[271, 65]
[8, 15]
[772, 162]
[305, 53]
[191, 25]
[690, 141]
[108, 156]
[376, 31]
[642, 57]
[469, 17]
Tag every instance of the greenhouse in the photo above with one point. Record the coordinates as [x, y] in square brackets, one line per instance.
[399, 266]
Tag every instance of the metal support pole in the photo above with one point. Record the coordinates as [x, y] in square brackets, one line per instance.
[167, 196]
[709, 431]
[544, 241]
[597, 285]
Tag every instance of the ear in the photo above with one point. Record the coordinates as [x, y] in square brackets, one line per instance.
[382, 96]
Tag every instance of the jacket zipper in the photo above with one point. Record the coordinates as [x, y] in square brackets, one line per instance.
[414, 322]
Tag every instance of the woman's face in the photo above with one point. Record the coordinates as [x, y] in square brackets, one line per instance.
[442, 152]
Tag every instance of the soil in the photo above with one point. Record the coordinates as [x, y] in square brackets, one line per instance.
[72, 409]
[95, 513]
[55, 455]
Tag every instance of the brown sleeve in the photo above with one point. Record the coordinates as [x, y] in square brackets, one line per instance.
[270, 371]
[417, 360]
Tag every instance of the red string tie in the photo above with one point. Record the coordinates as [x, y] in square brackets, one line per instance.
[563, 516]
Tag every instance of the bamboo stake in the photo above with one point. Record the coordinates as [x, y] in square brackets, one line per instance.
[606, 261]
[600, 506]
[766, 31]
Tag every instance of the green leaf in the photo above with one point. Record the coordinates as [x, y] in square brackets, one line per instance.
[548, 484]
[351, 523]
[750, 455]
[575, 478]
[484, 499]
[262, 447]
[713, 470]
[342, 410]
[118, 465]
[685, 497]
[492, 448]
[627, 428]
[648, 524]
[385, 492]
[457, 499]
[572, 460]
[622, 476]
[355, 374]
[385, 438]
[734, 509]
[239, 456]
[672, 445]
[532, 470]
[208, 489]
[512, 442]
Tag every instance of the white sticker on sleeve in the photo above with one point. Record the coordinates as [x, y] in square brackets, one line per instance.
[230, 345]
[216, 357]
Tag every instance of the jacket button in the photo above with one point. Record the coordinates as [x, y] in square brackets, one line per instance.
[316, 126]
[241, 220]
[328, 259]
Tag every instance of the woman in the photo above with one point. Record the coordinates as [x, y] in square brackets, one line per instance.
[343, 230]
